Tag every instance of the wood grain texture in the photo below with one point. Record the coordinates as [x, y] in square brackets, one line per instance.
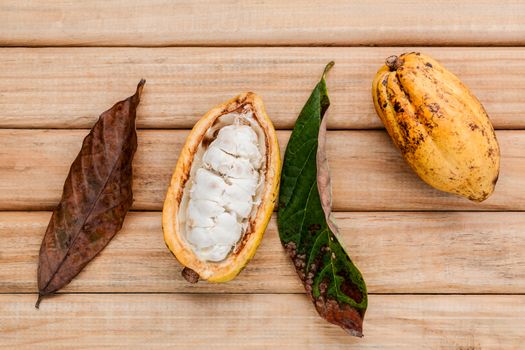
[273, 22]
[417, 254]
[70, 87]
[368, 172]
[258, 321]
[396, 252]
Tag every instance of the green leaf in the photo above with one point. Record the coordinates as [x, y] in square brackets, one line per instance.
[306, 226]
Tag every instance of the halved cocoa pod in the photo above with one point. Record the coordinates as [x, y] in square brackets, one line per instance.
[223, 190]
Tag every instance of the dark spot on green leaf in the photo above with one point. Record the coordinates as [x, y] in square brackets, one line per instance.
[313, 228]
[351, 290]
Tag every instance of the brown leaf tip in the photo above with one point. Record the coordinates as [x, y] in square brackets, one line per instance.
[190, 275]
[140, 86]
[37, 304]
[342, 315]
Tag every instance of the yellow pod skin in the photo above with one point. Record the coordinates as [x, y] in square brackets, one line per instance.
[244, 250]
[440, 127]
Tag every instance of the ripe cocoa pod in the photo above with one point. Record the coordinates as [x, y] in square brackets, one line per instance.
[440, 127]
[223, 190]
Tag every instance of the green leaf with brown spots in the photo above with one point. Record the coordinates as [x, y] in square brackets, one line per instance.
[306, 226]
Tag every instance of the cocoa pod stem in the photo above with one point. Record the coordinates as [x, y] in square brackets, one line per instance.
[190, 275]
[393, 63]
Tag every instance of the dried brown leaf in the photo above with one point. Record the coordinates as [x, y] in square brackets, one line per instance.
[97, 195]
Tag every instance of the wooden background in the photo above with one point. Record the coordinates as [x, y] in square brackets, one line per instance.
[443, 273]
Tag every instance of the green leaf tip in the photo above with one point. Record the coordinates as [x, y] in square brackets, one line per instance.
[327, 69]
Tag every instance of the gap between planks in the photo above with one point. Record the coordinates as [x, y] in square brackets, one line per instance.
[262, 46]
[58, 294]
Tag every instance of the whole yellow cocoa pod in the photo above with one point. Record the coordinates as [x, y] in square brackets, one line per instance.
[440, 127]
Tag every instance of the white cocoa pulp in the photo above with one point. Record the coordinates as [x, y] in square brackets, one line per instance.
[224, 184]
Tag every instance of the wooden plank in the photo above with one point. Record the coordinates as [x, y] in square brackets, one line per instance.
[396, 252]
[260, 321]
[70, 87]
[292, 22]
[368, 172]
